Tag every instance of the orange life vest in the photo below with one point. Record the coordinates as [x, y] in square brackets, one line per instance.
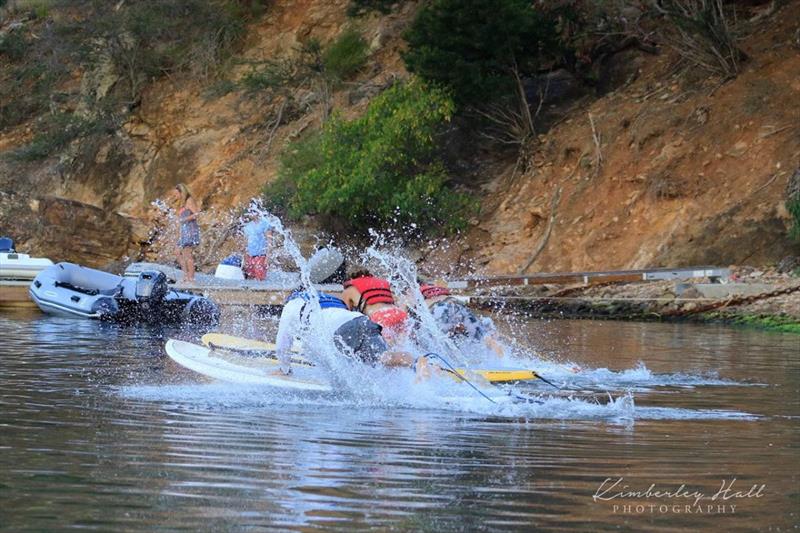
[373, 291]
[432, 291]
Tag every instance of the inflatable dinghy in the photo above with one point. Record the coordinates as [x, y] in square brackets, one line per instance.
[68, 289]
[15, 266]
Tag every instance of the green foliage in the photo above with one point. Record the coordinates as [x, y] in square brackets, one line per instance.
[14, 45]
[703, 33]
[25, 91]
[219, 88]
[358, 8]
[785, 324]
[378, 170]
[273, 76]
[59, 131]
[793, 203]
[474, 46]
[346, 55]
[138, 40]
[794, 209]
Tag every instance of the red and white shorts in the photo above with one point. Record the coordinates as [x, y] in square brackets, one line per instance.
[393, 322]
[255, 267]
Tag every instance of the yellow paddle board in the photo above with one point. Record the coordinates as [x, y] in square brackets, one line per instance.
[241, 344]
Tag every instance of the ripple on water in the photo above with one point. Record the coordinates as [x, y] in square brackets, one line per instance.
[98, 430]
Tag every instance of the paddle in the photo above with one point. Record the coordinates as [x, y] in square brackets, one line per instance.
[270, 354]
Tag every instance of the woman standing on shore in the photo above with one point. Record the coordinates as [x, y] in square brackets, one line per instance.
[188, 211]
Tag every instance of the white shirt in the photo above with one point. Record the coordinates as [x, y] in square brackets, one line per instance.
[292, 325]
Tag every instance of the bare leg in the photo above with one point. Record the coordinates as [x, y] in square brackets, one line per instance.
[189, 263]
[396, 359]
[181, 262]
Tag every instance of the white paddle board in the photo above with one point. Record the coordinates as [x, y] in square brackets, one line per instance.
[226, 366]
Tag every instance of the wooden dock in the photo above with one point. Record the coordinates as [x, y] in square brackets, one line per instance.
[227, 292]
[245, 293]
[592, 278]
[276, 288]
[14, 294]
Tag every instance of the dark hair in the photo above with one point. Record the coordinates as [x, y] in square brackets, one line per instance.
[360, 273]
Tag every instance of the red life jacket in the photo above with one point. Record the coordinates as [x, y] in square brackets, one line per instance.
[373, 291]
[432, 291]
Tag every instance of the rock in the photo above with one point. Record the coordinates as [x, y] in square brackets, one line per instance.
[81, 233]
[738, 150]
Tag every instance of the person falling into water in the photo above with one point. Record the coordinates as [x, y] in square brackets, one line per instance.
[372, 296]
[354, 332]
[258, 233]
[458, 322]
[188, 211]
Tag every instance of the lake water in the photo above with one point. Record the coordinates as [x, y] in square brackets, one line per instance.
[100, 430]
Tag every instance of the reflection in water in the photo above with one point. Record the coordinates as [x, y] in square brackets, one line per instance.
[99, 429]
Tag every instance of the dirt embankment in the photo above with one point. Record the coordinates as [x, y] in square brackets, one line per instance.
[666, 169]
[663, 171]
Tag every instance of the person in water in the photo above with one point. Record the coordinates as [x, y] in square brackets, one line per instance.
[188, 211]
[372, 296]
[258, 233]
[458, 322]
[353, 331]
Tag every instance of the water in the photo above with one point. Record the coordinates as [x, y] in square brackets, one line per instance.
[100, 430]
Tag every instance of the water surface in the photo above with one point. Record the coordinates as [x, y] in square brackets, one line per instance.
[100, 430]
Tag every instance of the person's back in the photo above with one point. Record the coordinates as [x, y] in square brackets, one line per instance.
[458, 322]
[352, 330]
[373, 297]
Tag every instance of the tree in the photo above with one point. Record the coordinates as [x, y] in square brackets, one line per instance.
[479, 48]
[378, 170]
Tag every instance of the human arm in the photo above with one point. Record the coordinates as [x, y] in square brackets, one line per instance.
[193, 208]
[350, 296]
[396, 359]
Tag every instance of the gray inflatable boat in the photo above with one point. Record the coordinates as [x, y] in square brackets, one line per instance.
[68, 289]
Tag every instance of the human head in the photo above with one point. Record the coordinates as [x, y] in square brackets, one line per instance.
[253, 211]
[183, 192]
[359, 273]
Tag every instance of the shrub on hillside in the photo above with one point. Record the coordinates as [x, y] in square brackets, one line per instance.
[793, 203]
[56, 133]
[345, 55]
[479, 48]
[703, 33]
[379, 170]
[358, 8]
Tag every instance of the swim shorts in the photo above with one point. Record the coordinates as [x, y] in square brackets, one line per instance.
[393, 320]
[363, 337]
[255, 267]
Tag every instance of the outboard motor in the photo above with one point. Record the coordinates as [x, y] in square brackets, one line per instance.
[200, 312]
[6, 245]
[151, 287]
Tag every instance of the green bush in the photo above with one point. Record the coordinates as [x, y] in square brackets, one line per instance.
[794, 209]
[59, 130]
[25, 91]
[358, 8]
[346, 55]
[14, 45]
[475, 46]
[379, 170]
[793, 203]
[273, 76]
